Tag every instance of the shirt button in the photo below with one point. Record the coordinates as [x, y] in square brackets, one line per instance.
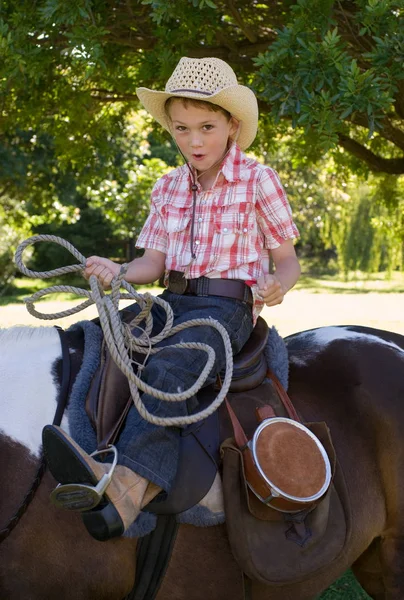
[203, 202]
[245, 229]
[200, 220]
[225, 229]
[197, 242]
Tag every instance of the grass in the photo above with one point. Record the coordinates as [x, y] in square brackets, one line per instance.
[318, 284]
[363, 283]
[346, 588]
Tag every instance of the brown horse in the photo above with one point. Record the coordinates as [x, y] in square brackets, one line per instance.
[350, 377]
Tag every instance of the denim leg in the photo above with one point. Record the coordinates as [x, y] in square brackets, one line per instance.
[152, 450]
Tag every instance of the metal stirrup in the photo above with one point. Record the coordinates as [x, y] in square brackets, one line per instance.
[81, 496]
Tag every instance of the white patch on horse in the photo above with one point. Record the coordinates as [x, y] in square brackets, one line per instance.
[28, 391]
[316, 340]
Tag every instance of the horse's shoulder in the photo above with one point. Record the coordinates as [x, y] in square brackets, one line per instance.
[341, 340]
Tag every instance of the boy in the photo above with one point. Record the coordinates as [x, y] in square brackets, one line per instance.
[211, 226]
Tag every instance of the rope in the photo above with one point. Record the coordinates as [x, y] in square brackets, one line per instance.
[118, 337]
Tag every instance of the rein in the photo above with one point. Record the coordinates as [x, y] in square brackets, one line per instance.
[61, 405]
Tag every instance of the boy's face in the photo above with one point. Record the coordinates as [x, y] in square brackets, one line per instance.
[201, 134]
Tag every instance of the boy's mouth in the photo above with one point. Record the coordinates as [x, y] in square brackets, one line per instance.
[198, 156]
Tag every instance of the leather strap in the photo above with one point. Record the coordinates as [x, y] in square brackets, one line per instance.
[239, 433]
[153, 554]
[252, 474]
[283, 396]
[206, 286]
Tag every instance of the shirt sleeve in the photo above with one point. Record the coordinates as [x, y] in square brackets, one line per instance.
[274, 214]
[153, 234]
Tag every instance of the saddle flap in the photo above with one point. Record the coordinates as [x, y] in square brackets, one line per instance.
[197, 466]
[108, 400]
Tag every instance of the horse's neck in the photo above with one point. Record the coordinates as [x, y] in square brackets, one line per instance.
[28, 383]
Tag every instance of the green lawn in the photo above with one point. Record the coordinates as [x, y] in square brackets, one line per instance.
[357, 283]
[346, 588]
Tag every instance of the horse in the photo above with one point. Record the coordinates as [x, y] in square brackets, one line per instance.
[351, 377]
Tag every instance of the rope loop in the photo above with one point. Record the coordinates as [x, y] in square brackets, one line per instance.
[121, 342]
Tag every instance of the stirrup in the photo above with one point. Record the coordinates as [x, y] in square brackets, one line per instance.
[81, 496]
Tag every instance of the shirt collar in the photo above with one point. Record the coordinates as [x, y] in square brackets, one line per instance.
[234, 164]
[233, 167]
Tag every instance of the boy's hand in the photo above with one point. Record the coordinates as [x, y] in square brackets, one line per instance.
[103, 268]
[270, 289]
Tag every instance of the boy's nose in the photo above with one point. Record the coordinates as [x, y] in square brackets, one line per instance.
[196, 141]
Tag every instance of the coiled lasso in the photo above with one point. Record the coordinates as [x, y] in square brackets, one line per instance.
[118, 337]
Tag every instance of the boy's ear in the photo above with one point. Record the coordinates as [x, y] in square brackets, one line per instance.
[234, 127]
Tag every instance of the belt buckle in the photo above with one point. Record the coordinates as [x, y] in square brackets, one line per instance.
[177, 284]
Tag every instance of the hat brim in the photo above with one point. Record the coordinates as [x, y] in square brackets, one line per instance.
[238, 100]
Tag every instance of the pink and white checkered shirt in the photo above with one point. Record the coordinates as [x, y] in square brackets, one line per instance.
[237, 222]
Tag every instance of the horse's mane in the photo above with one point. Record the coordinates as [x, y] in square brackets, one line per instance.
[23, 332]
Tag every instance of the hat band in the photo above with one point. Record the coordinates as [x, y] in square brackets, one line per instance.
[191, 91]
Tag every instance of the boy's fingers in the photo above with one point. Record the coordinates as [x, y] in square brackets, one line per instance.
[274, 302]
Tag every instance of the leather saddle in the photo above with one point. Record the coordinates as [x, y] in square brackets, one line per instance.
[109, 400]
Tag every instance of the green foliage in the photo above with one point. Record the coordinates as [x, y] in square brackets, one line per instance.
[91, 233]
[126, 203]
[370, 234]
[70, 70]
[9, 240]
[344, 224]
[13, 228]
[71, 138]
[311, 74]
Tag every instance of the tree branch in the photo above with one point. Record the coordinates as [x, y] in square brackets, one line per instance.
[378, 164]
[399, 102]
[246, 29]
[387, 130]
[110, 96]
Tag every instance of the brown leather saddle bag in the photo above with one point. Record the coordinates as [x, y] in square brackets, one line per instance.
[275, 539]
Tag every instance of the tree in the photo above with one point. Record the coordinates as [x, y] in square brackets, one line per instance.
[333, 69]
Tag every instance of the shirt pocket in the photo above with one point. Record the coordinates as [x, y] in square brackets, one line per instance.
[237, 222]
[177, 224]
[235, 236]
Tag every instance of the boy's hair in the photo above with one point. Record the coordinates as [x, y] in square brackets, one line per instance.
[197, 103]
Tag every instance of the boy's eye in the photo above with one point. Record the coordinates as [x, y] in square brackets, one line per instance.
[180, 128]
[207, 127]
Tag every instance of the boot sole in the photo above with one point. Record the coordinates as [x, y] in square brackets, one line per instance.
[65, 463]
[68, 466]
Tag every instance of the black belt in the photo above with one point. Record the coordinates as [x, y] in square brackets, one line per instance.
[206, 286]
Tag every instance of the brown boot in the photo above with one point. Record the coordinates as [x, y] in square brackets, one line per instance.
[109, 502]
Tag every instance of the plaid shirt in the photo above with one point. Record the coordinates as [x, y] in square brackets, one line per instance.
[238, 221]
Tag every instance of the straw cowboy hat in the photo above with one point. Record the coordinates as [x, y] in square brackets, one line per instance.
[212, 80]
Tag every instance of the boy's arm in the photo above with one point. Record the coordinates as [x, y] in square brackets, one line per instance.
[272, 288]
[146, 269]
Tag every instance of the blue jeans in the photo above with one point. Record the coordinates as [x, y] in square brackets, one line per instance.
[151, 450]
